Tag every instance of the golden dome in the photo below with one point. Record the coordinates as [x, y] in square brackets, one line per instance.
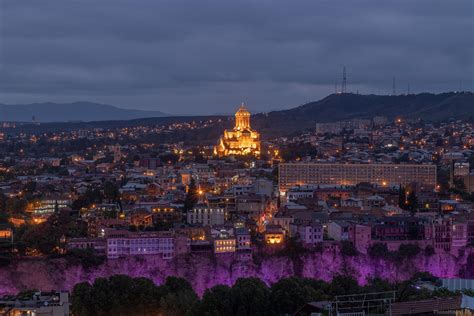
[242, 111]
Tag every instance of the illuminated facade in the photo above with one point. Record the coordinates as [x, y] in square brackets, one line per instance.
[294, 174]
[224, 245]
[125, 243]
[48, 206]
[6, 234]
[241, 140]
[273, 235]
[206, 216]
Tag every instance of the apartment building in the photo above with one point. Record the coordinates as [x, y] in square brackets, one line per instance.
[309, 233]
[224, 243]
[242, 236]
[206, 216]
[122, 243]
[294, 174]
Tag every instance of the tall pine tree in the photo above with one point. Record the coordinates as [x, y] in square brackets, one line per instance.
[191, 197]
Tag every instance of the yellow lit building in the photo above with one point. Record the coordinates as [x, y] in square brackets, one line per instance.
[241, 140]
[6, 234]
[274, 235]
[224, 245]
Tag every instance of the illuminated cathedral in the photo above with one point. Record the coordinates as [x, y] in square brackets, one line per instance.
[241, 140]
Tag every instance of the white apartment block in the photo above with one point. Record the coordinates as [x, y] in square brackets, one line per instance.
[124, 244]
[206, 216]
[297, 174]
[338, 230]
[47, 206]
[305, 192]
[309, 234]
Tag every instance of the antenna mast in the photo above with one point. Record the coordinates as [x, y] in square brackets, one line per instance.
[344, 80]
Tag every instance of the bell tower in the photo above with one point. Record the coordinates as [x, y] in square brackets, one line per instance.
[242, 118]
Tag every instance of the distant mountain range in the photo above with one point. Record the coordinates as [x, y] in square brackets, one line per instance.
[335, 107]
[66, 112]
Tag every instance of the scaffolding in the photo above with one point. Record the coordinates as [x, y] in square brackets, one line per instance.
[376, 303]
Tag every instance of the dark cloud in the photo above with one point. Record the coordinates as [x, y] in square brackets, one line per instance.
[206, 56]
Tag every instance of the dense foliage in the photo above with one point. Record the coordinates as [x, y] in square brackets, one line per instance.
[192, 196]
[123, 295]
[45, 238]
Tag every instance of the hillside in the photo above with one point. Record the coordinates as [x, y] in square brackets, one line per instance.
[64, 112]
[336, 107]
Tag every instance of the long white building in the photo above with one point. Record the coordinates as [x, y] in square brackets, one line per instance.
[125, 243]
[206, 216]
[294, 174]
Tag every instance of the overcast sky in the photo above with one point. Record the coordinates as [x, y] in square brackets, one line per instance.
[203, 57]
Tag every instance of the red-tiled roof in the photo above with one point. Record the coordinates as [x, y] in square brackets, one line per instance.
[424, 306]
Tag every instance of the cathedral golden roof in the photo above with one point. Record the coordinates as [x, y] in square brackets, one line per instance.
[242, 111]
[241, 140]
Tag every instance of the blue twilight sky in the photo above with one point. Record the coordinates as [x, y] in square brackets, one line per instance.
[208, 56]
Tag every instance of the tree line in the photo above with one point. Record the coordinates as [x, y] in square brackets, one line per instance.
[124, 295]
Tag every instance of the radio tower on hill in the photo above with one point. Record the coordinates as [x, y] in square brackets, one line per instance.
[344, 80]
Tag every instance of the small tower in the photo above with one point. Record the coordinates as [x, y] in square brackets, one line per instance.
[344, 80]
[242, 118]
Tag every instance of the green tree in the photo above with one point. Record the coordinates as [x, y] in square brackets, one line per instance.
[101, 303]
[3, 202]
[45, 237]
[121, 295]
[287, 295]
[4, 217]
[16, 205]
[216, 301]
[179, 297]
[91, 196]
[192, 196]
[146, 296]
[343, 285]
[111, 191]
[81, 299]
[378, 285]
[250, 297]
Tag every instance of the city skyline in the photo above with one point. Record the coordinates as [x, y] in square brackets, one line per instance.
[265, 157]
